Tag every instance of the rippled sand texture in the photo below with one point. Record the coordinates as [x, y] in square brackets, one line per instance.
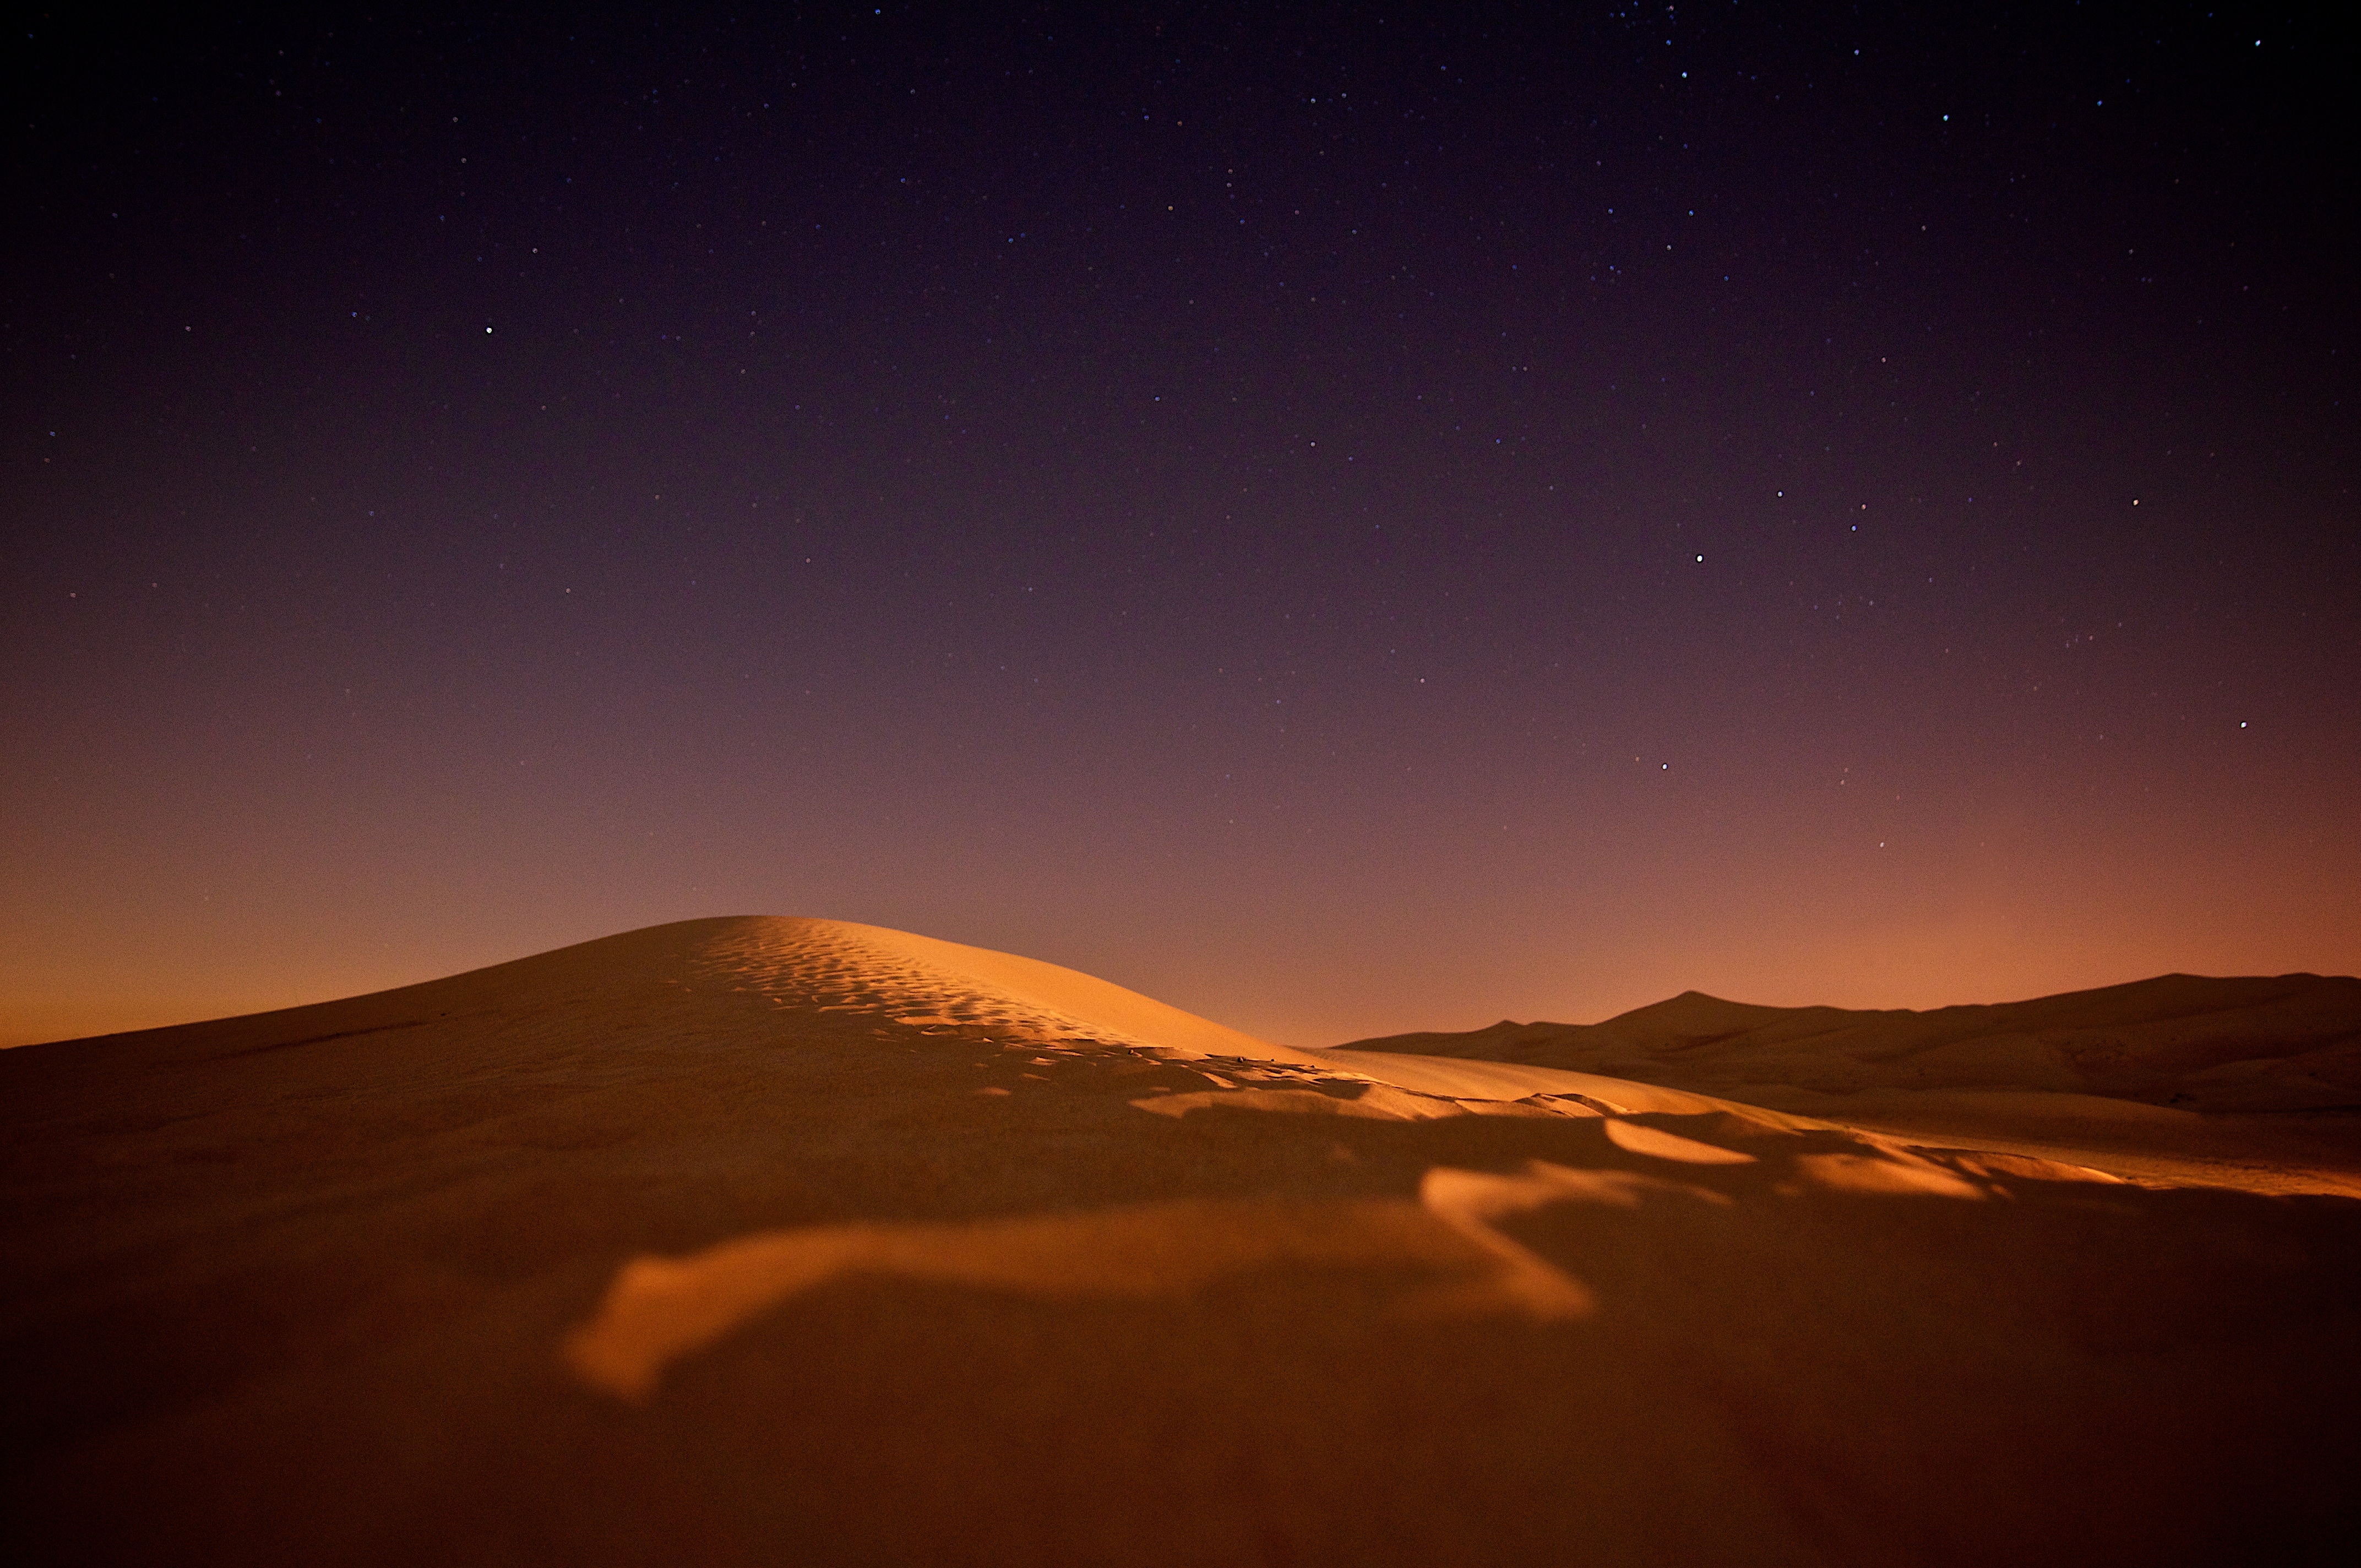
[760, 1240]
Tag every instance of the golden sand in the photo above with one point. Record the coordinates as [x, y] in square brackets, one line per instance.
[785, 1241]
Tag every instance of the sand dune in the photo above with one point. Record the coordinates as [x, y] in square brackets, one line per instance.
[784, 1240]
[2288, 1044]
[2253, 1083]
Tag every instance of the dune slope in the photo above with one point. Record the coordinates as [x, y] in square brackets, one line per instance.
[2248, 1082]
[761, 1240]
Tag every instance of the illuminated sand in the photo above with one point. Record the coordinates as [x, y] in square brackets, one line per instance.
[785, 1241]
[2248, 1082]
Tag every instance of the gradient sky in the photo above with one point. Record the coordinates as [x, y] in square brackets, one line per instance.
[1344, 524]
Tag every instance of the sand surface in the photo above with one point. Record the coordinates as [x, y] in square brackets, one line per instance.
[762, 1239]
[2253, 1083]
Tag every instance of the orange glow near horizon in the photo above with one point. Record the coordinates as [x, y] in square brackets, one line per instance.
[1515, 539]
[1546, 963]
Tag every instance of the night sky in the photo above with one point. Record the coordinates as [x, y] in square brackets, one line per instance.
[1347, 521]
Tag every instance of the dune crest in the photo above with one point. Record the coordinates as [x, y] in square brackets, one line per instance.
[929, 983]
[938, 986]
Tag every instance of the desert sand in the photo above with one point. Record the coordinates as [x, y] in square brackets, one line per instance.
[758, 1240]
[2252, 1082]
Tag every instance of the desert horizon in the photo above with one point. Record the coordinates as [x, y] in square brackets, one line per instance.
[155, 1015]
[745, 1237]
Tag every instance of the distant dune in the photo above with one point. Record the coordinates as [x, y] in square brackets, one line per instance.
[2292, 1042]
[758, 1240]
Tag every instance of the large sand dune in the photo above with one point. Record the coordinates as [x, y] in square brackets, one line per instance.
[756, 1240]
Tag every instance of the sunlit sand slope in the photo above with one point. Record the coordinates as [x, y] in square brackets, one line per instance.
[2252, 1082]
[762, 1240]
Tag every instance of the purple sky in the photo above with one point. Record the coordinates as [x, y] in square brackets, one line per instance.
[1347, 526]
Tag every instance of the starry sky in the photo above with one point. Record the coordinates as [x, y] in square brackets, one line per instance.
[1345, 519]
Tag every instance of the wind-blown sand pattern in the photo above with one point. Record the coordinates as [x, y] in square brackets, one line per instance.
[762, 1239]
